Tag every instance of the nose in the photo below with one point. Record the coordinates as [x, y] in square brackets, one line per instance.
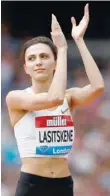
[38, 61]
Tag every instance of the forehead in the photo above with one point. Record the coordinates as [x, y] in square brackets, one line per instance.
[38, 49]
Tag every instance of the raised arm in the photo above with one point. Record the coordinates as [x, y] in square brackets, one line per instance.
[21, 100]
[59, 82]
[88, 93]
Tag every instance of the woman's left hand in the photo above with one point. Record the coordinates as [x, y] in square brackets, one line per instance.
[78, 31]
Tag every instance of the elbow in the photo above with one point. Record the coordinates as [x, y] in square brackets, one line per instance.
[101, 86]
[100, 89]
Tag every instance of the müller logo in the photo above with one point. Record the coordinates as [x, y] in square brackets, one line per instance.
[56, 121]
[53, 121]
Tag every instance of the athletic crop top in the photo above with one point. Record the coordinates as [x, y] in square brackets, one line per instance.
[45, 133]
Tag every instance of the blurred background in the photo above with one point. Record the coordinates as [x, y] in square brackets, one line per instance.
[89, 160]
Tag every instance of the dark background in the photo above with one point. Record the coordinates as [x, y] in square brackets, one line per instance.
[33, 18]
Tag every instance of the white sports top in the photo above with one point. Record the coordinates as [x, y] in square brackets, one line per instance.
[45, 133]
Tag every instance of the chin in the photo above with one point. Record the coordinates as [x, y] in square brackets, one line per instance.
[41, 77]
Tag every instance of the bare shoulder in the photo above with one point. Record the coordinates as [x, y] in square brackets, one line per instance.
[14, 95]
[13, 101]
[13, 92]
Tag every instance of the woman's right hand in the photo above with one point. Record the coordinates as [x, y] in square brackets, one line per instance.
[57, 35]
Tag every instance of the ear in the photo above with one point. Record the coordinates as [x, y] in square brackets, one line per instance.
[55, 65]
[25, 68]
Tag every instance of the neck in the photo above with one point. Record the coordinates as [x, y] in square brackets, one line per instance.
[41, 86]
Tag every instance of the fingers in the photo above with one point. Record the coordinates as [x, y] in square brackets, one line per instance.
[86, 8]
[73, 21]
[86, 11]
[55, 25]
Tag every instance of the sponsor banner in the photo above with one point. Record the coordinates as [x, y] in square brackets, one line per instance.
[53, 150]
[53, 121]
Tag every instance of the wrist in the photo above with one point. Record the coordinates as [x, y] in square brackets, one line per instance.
[78, 40]
[80, 43]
